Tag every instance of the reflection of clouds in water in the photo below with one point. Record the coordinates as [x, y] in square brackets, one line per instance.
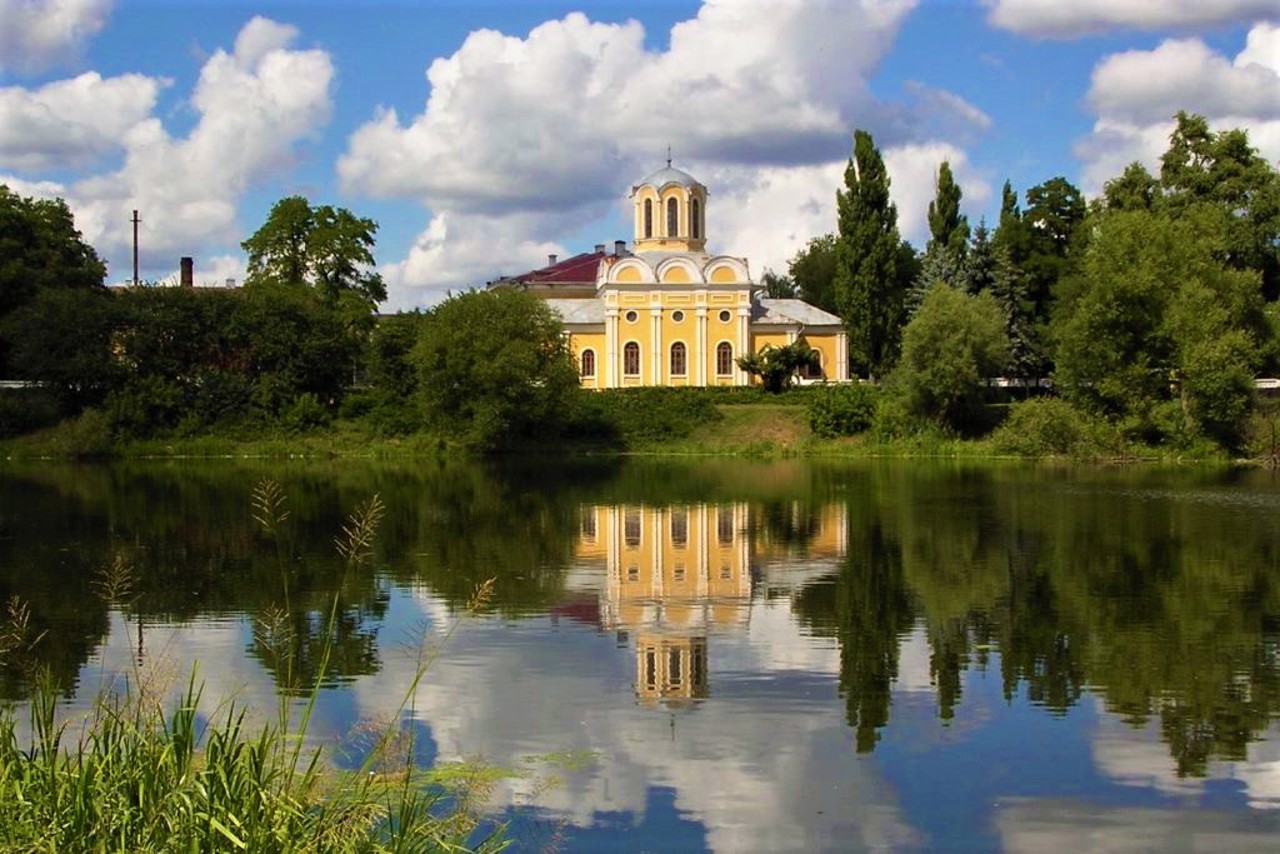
[1138, 756]
[759, 769]
[775, 642]
[915, 670]
[215, 650]
[1061, 825]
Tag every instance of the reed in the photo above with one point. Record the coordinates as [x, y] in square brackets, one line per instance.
[141, 774]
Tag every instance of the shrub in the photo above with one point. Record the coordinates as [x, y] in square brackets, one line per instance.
[843, 410]
[86, 435]
[642, 413]
[1051, 426]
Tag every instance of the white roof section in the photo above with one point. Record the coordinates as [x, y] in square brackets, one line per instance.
[670, 175]
[582, 310]
[791, 311]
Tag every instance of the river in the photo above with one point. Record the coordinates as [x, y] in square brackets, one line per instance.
[714, 655]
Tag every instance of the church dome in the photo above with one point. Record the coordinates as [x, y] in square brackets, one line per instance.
[669, 175]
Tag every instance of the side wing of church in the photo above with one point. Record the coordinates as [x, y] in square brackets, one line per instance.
[668, 313]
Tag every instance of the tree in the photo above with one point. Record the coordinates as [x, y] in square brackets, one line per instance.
[948, 228]
[949, 348]
[327, 248]
[62, 339]
[1223, 169]
[777, 366]
[1162, 335]
[1135, 190]
[813, 269]
[1055, 209]
[40, 249]
[867, 288]
[778, 286]
[494, 367]
[940, 267]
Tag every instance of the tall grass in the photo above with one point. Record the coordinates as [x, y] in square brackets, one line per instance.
[144, 775]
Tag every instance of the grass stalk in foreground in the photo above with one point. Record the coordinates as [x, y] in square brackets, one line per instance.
[139, 777]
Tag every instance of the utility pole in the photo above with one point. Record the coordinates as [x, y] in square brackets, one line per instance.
[136, 281]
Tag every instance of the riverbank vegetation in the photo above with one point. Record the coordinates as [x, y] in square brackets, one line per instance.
[1131, 325]
[146, 769]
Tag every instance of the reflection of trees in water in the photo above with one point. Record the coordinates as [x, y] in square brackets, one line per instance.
[1139, 586]
[1164, 607]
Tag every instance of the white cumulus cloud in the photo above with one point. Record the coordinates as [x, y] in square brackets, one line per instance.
[70, 123]
[1135, 95]
[558, 124]
[1062, 20]
[255, 104]
[35, 34]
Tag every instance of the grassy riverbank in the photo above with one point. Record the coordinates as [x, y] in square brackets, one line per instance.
[743, 422]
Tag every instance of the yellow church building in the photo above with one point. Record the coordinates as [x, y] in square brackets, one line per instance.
[666, 311]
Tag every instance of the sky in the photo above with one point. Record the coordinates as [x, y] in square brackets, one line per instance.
[484, 135]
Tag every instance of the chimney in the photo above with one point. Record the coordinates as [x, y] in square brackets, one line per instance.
[551, 260]
[600, 248]
[619, 247]
[186, 277]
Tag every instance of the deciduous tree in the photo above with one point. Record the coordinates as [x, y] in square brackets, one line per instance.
[327, 248]
[951, 346]
[868, 290]
[813, 269]
[494, 367]
[1160, 319]
[948, 228]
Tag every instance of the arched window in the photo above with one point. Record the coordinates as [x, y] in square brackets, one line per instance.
[631, 359]
[679, 362]
[724, 359]
[588, 363]
[648, 217]
[673, 217]
[813, 370]
[695, 219]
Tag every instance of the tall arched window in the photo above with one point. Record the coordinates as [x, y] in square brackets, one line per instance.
[813, 370]
[631, 359]
[679, 362]
[724, 359]
[673, 217]
[695, 219]
[588, 363]
[648, 217]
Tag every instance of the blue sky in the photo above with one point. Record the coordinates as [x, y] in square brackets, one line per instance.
[537, 117]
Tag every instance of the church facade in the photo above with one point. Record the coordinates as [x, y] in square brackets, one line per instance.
[665, 311]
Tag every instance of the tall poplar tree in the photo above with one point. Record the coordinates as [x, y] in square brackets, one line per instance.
[868, 290]
[948, 228]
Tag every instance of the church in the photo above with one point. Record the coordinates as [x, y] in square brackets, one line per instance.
[666, 312]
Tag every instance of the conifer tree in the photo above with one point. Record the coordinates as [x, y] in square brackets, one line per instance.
[868, 291]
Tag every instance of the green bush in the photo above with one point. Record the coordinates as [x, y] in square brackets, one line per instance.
[894, 418]
[842, 410]
[1050, 426]
[642, 413]
[305, 413]
[86, 435]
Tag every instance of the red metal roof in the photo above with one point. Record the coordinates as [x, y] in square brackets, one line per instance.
[578, 269]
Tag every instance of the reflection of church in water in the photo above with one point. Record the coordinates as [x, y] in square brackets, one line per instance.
[675, 575]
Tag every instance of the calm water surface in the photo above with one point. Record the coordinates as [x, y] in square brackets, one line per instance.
[724, 655]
